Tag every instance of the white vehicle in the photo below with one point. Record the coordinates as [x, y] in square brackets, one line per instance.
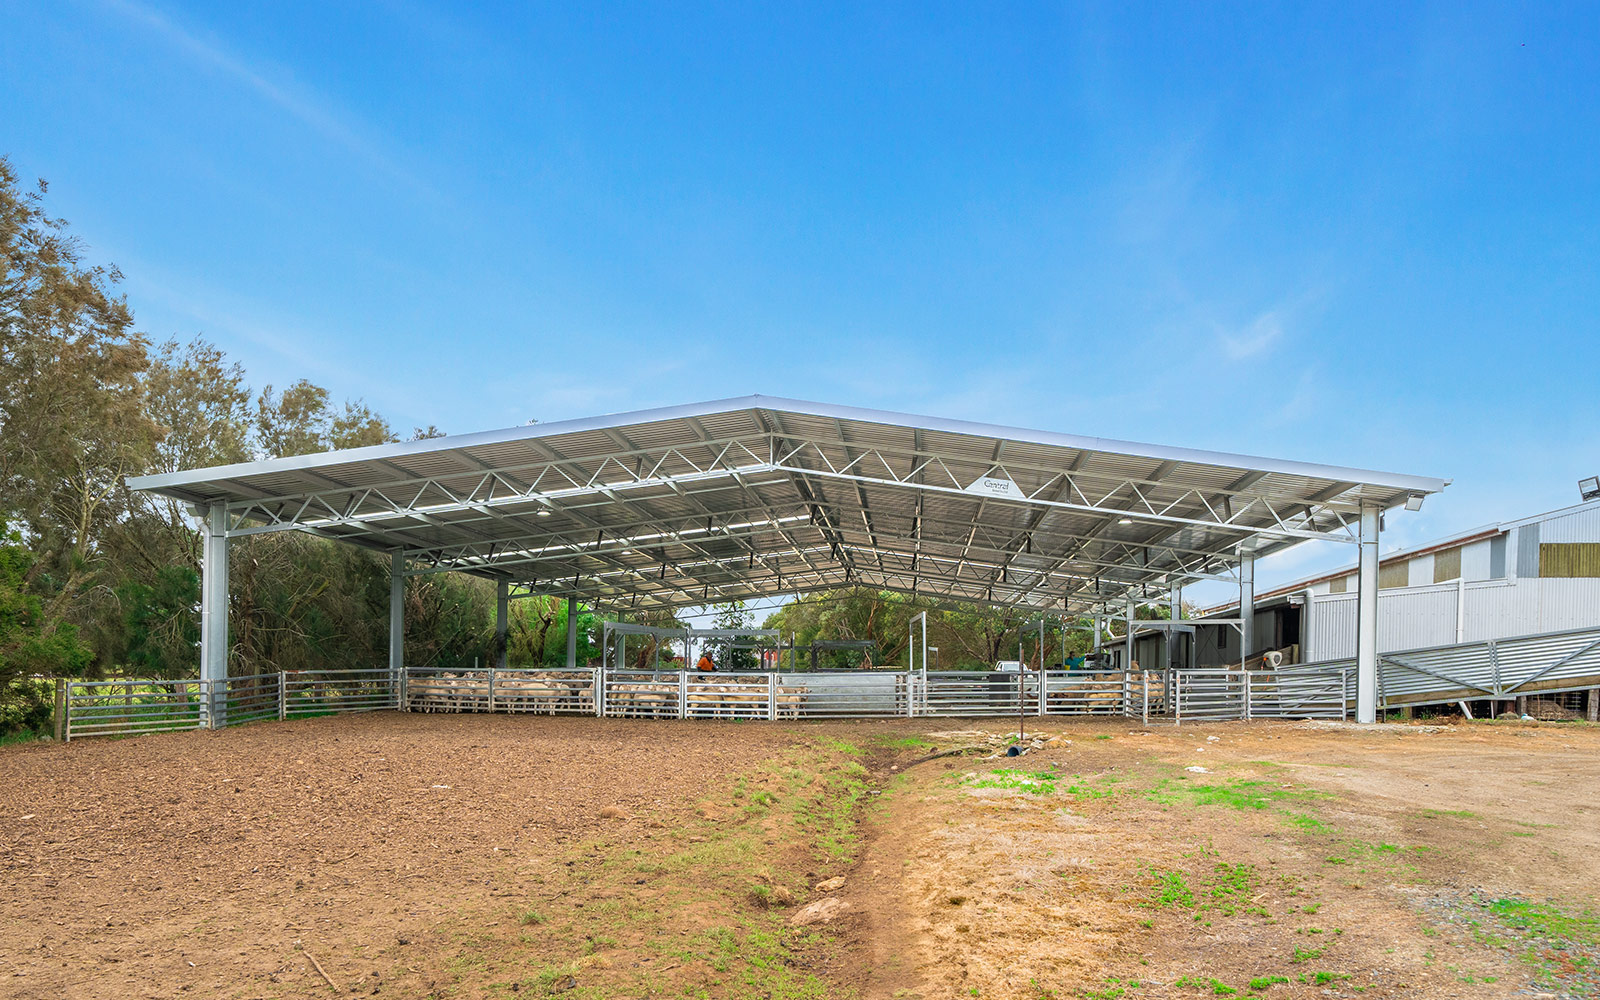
[1009, 666]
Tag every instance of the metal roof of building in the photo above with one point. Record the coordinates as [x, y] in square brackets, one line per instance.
[1410, 552]
[760, 496]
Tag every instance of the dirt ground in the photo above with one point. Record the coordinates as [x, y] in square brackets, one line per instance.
[473, 856]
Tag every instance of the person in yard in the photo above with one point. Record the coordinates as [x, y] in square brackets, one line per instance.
[705, 665]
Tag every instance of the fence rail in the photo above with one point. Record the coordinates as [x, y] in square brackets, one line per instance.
[131, 707]
[1548, 663]
[127, 707]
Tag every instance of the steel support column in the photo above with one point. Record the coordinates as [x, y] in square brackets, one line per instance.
[1127, 640]
[1367, 618]
[214, 615]
[1247, 607]
[397, 624]
[502, 598]
[572, 632]
[1175, 613]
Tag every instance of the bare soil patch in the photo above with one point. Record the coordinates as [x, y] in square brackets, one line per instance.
[1304, 860]
[209, 864]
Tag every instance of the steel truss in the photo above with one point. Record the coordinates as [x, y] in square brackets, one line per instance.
[596, 523]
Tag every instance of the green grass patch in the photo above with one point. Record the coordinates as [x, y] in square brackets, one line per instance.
[1240, 793]
[1031, 782]
[902, 742]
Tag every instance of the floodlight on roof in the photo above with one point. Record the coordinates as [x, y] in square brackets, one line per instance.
[1589, 488]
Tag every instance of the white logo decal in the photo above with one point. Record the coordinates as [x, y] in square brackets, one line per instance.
[997, 486]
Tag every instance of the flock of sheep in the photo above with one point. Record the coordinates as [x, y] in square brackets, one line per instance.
[628, 694]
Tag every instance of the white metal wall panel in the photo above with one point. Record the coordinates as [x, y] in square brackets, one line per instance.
[1333, 627]
[1422, 570]
[1418, 616]
[1475, 560]
[1426, 616]
[1568, 603]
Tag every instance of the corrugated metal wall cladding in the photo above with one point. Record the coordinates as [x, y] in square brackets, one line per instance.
[1475, 562]
[1579, 526]
[1544, 662]
[1425, 616]
[1528, 549]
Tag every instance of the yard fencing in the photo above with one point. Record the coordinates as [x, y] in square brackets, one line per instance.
[676, 694]
[1310, 691]
[1286, 693]
[1548, 663]
[131, 707]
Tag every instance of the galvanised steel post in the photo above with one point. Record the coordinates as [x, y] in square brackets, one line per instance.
[1247, 608]
[1175, 613]
[572, 632]
[1127, 640]
[1367, 617]
[397, 626]
[214, 618]
[502, 599]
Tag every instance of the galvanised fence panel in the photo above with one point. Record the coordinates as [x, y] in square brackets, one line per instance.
[1210, 695]
[131, 707]
[644, 694]
[324, 692]
[1296, 693]
[978, 693]
[249, 699]
[856, 695]
[554, 691]
[1490, 669]
[731, 696]
[1099, 692]
[431, 690]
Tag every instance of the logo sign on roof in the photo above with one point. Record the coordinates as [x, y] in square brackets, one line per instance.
[997, 486]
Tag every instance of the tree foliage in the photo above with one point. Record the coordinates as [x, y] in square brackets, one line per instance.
[97, 580]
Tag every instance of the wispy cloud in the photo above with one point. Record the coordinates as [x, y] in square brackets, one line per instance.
[1254, 339]
[288, 97]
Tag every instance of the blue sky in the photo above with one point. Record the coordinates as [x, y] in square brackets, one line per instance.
[1358, 234]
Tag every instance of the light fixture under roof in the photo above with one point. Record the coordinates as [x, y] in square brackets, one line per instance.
[542, 512]
[1126, 520]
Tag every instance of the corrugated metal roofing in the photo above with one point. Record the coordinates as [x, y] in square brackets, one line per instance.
[758, 495]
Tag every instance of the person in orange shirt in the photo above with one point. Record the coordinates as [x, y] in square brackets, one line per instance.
[705, 665]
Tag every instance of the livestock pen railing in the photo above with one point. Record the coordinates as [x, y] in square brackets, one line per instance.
[857, 694]
[1286, 693]
[132, 707]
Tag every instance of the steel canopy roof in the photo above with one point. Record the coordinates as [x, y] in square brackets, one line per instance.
[762, 496]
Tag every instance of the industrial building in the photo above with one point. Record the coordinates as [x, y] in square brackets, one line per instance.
[1530, 576]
